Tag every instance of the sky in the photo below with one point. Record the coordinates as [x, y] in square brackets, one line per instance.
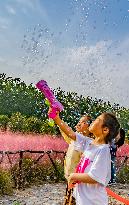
[78, 45]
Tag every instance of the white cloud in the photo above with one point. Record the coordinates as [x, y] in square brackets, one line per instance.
[4, 21]
[99, 70]
[32, 5]
[27, 3]
[1, 59]
[10, 10]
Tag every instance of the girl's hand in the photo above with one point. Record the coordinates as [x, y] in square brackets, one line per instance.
[71, 181]
[52, 110]
[70, 178]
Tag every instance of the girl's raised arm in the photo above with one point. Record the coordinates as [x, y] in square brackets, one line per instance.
[65, 128]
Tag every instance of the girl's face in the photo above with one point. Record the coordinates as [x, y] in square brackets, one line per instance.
[82, 125]
[97, 128]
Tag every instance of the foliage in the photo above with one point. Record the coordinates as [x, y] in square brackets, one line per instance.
[123, 175]
[16, 203]
[32, 173]
[3, 122]
[17, 97]
[35, 173]
[46, 129]
[16, 122]
[32, 124]
[6, 182]
[127, 136]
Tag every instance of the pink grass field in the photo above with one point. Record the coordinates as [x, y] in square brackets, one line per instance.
[123, 150]
[16, 141]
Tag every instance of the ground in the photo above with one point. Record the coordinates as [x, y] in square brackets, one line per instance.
[51, 194]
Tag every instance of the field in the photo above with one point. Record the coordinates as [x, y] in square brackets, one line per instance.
[17, 141]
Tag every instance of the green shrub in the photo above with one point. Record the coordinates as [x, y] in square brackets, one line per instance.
[32, 124]
[26, 167]
[35, 173]
[6, 182]
[123, 175]
[46, 172]
[16, 96]
[16, 122]
[16, 203]
[19, 122]
[127, 136]
[127, 139]
[60, 168]
[47, 129]
[3, 122]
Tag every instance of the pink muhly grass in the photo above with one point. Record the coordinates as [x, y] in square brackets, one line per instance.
[16, 141]
[123, 150]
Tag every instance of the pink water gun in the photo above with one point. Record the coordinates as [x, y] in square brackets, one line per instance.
[54, 103]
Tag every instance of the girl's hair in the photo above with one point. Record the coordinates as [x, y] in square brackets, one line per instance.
[121, 140]
[110, 121]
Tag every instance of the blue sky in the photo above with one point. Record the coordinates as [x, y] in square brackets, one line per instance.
[79, 45]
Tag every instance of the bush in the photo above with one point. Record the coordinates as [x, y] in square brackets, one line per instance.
[16, 203]
[19, 122]
[6, 182]
[16, 96]
[123, 175]
[16, 122]
[31, 124]
[35, 173]
[47, 129]
[26, 167]
[60, 168]
[3, 122]
[127, 136]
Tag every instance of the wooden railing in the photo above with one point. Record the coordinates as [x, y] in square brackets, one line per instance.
[22, 153]
[41, 154]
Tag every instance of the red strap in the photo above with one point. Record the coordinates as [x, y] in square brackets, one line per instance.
[117, 197]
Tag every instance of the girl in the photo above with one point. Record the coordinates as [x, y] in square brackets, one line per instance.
[73, 154]
[94, 169]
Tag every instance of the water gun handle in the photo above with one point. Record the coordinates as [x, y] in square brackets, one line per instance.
[54, 103]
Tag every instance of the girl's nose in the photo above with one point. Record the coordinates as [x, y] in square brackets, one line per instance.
[78, 125]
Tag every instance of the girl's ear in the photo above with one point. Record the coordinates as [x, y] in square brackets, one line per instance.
[106, 130]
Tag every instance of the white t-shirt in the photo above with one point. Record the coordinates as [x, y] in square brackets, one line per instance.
[98, 168]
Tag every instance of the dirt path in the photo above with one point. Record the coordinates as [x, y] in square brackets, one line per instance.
[51, 194]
